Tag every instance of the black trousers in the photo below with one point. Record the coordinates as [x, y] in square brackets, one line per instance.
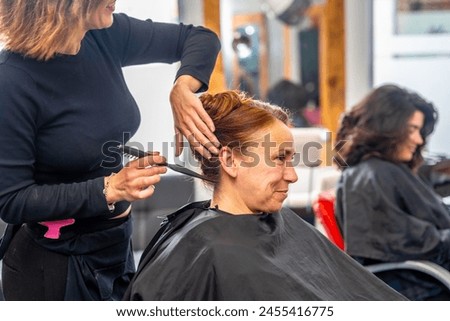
[31, 272]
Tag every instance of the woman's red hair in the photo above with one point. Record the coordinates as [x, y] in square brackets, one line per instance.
[236, 118]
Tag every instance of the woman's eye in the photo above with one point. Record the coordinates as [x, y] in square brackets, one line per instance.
[283, 159]
[412, 129]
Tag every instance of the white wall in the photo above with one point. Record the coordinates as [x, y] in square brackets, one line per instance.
[151, 84]
[358, 56]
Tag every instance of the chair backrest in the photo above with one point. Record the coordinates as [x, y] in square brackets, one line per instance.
[323, 208]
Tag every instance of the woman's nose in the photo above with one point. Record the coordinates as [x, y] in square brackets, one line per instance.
[418, 139]
[290, 174]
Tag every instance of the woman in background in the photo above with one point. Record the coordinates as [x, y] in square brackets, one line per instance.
[241, 244]
[64, 102]
[388, 214]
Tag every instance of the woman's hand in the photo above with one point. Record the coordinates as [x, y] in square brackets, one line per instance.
[191, 119]
[136, 180]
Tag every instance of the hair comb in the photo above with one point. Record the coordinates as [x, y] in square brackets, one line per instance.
[133, 153]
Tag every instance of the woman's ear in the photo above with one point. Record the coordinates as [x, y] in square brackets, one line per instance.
[228, 161]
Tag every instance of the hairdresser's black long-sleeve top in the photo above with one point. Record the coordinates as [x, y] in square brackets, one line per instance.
[59, 118]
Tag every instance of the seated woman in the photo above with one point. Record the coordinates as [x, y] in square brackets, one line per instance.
[241, 245]
[387, 214]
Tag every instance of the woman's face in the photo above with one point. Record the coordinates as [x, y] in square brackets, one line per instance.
[102, 16]
[266, 170]
[408, 147]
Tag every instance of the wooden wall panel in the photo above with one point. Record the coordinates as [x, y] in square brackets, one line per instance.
[329, 18]
[212, 21]
[332, 64]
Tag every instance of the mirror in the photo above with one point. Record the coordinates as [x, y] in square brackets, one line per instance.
[268, 43]
[249, 54]
[264, 44]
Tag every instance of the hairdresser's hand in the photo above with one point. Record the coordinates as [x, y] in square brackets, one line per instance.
[191, 119]
[136, 180]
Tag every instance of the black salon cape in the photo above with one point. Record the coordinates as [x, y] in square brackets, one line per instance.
[388, 214]
[206, 254]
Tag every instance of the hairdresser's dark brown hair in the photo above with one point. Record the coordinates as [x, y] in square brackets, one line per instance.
[376, 126]
[39, 28]
[236, 118]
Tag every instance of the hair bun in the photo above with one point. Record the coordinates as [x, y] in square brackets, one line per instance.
[219, 106]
